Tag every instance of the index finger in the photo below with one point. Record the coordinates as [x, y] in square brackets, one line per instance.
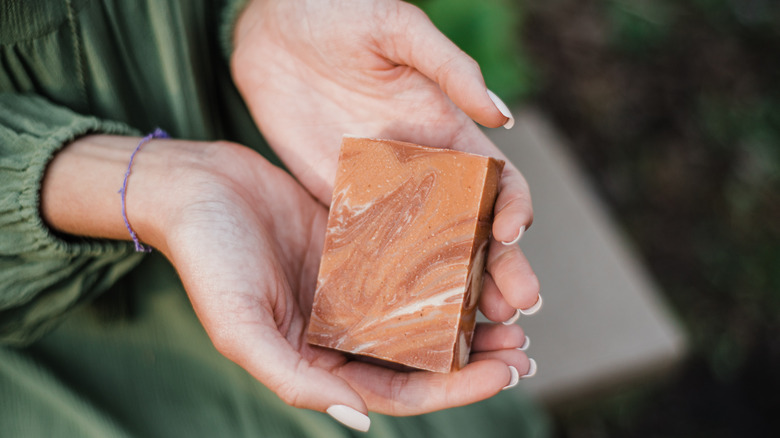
[413, 40]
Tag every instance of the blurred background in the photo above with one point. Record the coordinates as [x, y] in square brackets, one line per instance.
[672, 107]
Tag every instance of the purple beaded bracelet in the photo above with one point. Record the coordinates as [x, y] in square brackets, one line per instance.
[139, 247]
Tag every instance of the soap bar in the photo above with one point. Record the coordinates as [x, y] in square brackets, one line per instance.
[404, 253]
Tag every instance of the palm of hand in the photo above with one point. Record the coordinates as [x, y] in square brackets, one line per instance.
[248, 252]
[308, 82]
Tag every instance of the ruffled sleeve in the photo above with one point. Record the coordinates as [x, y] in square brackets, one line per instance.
[231, 10]
[43, 275]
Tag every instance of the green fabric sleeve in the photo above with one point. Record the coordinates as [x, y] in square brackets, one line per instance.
[230, 12]
[43, 276]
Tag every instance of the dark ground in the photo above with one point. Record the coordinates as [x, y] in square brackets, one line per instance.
[673, 107]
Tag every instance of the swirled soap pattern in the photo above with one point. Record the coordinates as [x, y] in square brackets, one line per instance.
[404, 253]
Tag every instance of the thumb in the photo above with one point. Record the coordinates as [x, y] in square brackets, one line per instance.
[271, 359]
[413, 40]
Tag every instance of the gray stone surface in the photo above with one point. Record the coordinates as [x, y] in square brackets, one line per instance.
[603, 322]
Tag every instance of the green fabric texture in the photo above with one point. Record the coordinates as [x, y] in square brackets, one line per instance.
[151, 371]
[131, 66]
[99, 341]
[42, 276]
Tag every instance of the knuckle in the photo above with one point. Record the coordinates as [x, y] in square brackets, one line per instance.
[289, 393]
[412, 13]
[504, 261]
[518, 203]
[224, 341]
[516, 336]
[443, 70]
[471, 64]
[291, 389]
[397, 384]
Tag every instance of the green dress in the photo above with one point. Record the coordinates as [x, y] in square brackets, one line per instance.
[95, 339]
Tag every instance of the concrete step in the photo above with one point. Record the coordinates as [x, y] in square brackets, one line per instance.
[604, 322]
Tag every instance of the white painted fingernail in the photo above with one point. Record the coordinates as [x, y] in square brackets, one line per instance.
[512, 320]
[516, 239]
[533, 309]
[515, 377]
[526, 344]
[350, 417]
[531, 369]
[503, 108]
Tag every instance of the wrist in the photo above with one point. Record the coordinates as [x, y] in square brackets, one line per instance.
[79, 193]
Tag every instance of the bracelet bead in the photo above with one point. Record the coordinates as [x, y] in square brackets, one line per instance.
[139, 247]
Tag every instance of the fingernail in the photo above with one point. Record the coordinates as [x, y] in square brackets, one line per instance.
[533, 309]
[503, 108]
[517, 239]
[515, 377]
[526, 344]
[350, 417]
[531, 369]
[512, 320]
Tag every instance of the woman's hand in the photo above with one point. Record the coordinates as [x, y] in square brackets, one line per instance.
[313, 70]
[246, 240]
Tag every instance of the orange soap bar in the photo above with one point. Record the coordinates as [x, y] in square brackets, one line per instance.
[404, 253]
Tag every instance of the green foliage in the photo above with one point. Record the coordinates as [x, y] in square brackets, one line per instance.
[730, 15]
[640, 26]
[488, 30]
[707, 71]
